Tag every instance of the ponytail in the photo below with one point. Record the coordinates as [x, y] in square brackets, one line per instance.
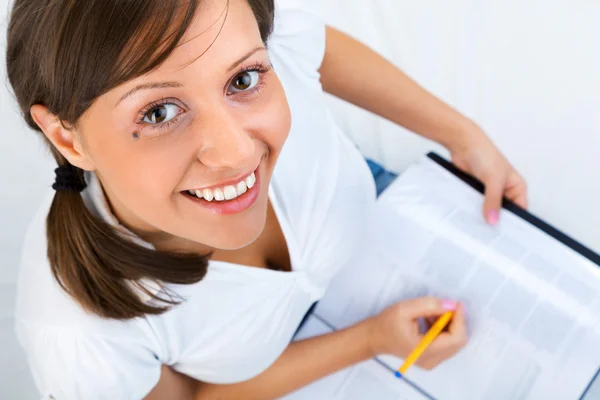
[102, 270]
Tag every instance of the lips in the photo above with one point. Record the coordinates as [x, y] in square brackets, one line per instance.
[227, 192]
[228, 199]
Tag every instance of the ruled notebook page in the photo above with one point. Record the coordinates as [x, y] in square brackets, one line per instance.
[532, 302]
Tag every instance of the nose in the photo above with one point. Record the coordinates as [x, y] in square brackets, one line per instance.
[225, 142]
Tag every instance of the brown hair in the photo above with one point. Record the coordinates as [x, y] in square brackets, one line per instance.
[64, 54]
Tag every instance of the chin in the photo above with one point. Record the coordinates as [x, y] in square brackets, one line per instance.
[238, 244]
[235, 235]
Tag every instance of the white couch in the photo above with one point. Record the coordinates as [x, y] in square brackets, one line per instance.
[527, 71]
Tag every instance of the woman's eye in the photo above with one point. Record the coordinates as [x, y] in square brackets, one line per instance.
[244, 81]
[161, 114]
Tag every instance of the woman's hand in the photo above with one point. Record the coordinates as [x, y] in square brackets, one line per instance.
[396, 330]
[393, 95]
[476, 154]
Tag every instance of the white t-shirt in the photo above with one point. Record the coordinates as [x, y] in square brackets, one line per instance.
[238, 319]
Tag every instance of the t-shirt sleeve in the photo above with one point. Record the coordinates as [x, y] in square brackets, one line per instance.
[68, 365]
[299, 33]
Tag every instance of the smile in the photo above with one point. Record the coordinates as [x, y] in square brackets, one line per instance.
[228, 192]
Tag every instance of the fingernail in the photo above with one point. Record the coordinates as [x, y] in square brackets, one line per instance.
[493, 217]
[449, 305]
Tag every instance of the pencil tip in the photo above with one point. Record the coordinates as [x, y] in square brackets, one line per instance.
[398, 374]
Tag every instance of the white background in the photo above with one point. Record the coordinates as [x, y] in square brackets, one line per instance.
[527, 71]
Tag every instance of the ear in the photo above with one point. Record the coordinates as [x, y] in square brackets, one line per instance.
[67, 141]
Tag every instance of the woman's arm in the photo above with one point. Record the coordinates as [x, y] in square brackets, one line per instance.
[394, 331]
[357, 74]
[300, 364]
[173, 386]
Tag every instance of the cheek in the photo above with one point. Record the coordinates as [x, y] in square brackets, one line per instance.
[271, 121]
[141, 171]
[282, 119]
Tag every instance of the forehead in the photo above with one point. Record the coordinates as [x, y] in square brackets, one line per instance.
[221, 31]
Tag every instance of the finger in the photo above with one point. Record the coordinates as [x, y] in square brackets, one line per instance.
[521, 201]
[433, 360]
[494, 190]
[517, 195]
[429, 306]
[439, 351]
[460, 163]
[517, 191]
[448, 343]
[428, 364]
[458, 326]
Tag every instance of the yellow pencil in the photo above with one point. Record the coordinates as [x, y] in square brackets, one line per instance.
[429, 337]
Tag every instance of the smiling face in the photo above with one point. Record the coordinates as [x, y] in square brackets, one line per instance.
[209, 119]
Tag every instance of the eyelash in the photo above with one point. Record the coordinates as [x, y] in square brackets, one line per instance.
[259, 67]
[150, 107]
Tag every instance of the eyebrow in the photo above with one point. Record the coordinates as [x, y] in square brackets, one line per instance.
[245, 57]
[175, 84]
[149, 85]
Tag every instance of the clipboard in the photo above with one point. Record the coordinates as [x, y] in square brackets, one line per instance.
[427, 211]
[529, 217]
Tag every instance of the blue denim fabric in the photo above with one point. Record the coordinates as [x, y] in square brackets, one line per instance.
[383, 178]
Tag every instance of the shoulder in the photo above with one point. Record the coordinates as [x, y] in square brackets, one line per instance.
[73, 354]
[68, 363]
[38, 293]
[298, 34]
[35, 281]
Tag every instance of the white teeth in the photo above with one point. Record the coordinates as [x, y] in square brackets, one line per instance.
[250, 180]
[241, 188]
[219, 196]
[230, 192]
[208, 194]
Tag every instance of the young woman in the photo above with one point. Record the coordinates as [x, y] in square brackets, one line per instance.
[204, 197]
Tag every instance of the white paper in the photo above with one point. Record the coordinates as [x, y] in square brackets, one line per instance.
[532, 303]
[366, 380]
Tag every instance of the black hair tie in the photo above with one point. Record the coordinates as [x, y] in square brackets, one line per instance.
[69, 179]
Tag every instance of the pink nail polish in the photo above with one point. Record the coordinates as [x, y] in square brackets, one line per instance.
[493, 217]
[449, 305]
